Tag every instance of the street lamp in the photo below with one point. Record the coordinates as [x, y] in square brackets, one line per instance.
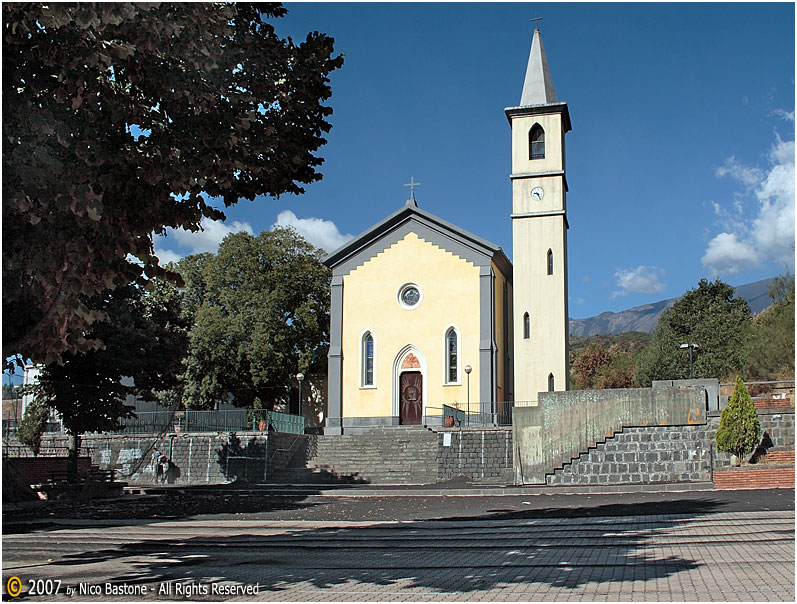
[468, 369]
[300, 379]
[691, 347]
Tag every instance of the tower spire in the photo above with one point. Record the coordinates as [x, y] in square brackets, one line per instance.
[538, 86]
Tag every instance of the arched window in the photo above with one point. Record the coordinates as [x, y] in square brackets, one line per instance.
[550, 382]
[368, 359]
[526, 327]
[550, 262]
[452, 356]
[536, 142]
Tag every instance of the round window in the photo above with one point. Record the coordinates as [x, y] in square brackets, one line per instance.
[409, 296]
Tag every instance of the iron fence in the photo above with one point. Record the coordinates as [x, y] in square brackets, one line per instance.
[498, 413]
[229, 420]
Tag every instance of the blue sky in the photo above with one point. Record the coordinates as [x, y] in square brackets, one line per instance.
[680, 164]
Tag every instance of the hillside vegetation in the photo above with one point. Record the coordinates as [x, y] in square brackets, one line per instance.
[730, 342]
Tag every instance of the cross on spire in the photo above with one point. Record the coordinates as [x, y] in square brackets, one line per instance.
[412, 184]
[534, 20]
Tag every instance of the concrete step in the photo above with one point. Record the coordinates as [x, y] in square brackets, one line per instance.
[402, 454]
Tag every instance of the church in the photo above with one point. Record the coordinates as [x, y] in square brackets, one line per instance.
[426, 316]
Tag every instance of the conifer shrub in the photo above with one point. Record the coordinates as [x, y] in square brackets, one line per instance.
[33, 425]
[739, 430]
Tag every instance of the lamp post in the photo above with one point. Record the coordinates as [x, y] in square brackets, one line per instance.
[691, 347]
[300, 379]
[468, 369]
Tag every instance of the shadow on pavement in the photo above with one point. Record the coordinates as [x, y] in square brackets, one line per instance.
[432, 555]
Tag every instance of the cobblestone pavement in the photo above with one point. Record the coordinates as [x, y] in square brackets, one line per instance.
[725, 556]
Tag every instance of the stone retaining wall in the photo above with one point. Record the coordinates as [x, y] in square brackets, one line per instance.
[636, 455]
[646, 455]
[777, 428]
[211, 458]
[483, 455]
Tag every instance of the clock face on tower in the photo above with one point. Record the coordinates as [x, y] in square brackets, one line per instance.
[537, 193]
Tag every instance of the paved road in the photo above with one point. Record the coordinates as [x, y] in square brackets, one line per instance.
[729, 546]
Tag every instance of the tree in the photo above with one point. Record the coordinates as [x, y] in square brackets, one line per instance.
[264, 317]
[33, 424]
[144, 343]
[709, 316]
[619, 373]
[122, 119]
[587, 366]
[599, 368]
[739, 430]
[771, 347]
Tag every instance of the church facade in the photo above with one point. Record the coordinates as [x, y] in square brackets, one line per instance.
[425, 315]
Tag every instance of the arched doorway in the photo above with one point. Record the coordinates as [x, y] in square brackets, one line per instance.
[409, 391]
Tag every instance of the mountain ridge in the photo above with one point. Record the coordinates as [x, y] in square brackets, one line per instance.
[644, 318]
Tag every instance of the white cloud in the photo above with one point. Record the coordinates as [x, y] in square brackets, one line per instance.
[165, 256]
[210, 236]
[726, 254]
[769, 235]
[639, 280]
[205, 240]
[747, 175]
[321, 233]
[786, 115]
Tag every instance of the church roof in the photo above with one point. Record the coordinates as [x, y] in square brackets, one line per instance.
[538, 85]
[431, 228]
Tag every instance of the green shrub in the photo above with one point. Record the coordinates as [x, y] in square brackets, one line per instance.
[32, 425]
[739, 431]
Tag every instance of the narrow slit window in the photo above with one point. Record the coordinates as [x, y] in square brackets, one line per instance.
[452, 357]
[526, 327]
[368, 359]
[550, 262]
[536, 142]
[550, 382]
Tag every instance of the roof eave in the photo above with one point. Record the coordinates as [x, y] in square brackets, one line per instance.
[528, 110]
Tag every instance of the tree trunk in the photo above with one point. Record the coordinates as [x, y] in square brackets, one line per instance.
[74, 452]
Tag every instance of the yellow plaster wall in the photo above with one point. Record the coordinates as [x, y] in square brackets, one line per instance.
[500, 279]
[450, 289]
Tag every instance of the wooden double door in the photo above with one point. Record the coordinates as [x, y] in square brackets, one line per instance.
[411, 398]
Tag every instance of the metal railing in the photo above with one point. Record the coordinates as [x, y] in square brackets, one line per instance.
[493, 414]
[230, 420]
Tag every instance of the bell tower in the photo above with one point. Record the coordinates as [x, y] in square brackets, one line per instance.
[539, 232]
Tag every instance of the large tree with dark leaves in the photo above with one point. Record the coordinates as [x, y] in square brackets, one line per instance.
[145, 337]
[119, 119]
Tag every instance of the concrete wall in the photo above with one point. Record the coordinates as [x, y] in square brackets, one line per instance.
[565, 424]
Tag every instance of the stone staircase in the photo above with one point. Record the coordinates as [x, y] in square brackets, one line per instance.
[391, 455]
[644, 455]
